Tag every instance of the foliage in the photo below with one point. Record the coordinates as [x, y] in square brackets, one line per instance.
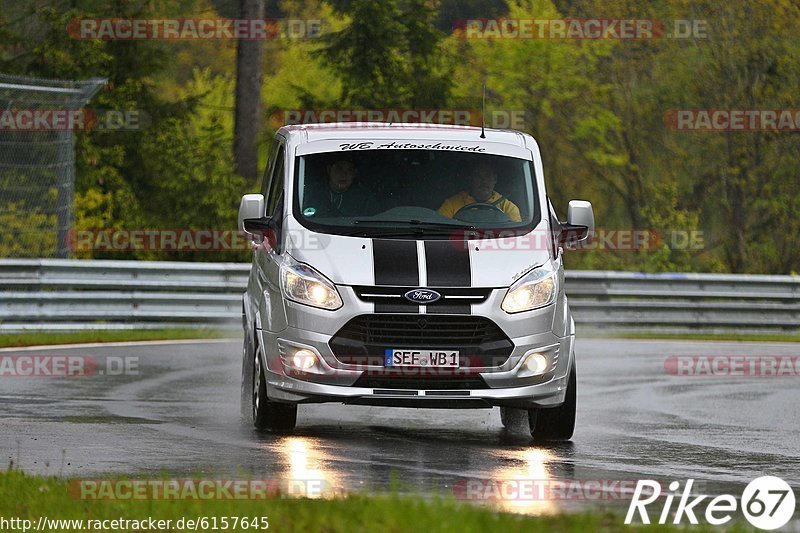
[599, 110]
[388, 55]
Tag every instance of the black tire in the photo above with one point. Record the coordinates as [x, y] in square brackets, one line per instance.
[513, 418]
[556, 423]
[246, 399]
[269, 415]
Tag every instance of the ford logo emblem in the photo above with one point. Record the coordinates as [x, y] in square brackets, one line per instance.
[422, 296]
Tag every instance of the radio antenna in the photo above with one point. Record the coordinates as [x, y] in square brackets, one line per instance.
[483, 113]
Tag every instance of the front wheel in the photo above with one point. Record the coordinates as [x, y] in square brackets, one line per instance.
[513, 418]
[267, 414]
[556, 423]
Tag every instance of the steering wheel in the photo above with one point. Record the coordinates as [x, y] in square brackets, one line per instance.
[479, 209]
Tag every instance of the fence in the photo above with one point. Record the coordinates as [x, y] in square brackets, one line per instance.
[53, 294]
[37, 163]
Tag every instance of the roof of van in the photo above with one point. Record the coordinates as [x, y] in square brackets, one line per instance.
[385, 130]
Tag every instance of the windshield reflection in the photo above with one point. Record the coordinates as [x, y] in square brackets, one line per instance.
[430, 191]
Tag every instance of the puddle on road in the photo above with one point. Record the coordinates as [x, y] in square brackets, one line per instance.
[108, 419]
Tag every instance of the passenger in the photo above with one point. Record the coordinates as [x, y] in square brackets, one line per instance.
[482, 180]
[341, 196]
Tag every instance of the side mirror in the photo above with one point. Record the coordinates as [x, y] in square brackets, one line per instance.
[251, 206]
[262, 229]
[580, 223]
[258, 226]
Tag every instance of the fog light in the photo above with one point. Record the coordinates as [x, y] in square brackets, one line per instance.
[304, 359]
[536, 364]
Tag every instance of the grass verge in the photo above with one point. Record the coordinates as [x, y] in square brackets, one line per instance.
[38, 338]
[736, 337]
[31, 497]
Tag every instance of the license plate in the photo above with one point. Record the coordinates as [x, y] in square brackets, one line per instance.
[413, 357]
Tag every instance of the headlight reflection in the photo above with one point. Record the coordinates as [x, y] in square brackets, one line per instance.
[306, 475]
[525, 487]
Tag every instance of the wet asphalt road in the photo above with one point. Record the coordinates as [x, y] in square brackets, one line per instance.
[179, 416]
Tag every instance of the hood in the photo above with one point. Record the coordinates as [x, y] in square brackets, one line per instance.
[417, 263]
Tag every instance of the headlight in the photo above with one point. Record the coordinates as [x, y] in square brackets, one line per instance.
[535, 289]
[304, 285]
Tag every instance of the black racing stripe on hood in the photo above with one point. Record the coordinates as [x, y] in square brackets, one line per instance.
[395, 263]
[447, 264]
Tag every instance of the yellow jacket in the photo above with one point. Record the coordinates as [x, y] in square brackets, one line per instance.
[451, 206]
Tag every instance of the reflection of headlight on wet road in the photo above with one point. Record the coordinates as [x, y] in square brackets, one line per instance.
[306, 477]
[524, 488]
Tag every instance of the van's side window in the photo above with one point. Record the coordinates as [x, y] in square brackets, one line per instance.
[266, 181]
[555, 229]
[276, 181]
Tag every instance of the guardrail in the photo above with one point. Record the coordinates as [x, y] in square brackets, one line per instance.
[54, 294]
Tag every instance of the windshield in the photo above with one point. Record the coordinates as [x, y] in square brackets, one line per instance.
[401, 193]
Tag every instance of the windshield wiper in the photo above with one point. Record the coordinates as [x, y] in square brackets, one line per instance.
[410, 232]
[418, 224]
[407, 228]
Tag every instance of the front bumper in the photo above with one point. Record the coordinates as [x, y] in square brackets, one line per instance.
[291, 390]
[338, 382]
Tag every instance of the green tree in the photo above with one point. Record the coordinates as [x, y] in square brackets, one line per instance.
[388, 55]
[201, 190]
[123, 178]
[746, 181]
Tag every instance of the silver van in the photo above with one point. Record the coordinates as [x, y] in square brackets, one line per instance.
[408, 266]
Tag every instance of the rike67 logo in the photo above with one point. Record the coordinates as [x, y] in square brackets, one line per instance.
[767, 503]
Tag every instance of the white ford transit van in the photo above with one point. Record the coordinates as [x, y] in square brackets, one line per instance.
[408, 265]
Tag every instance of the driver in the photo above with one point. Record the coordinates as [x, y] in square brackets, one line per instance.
[482, 180]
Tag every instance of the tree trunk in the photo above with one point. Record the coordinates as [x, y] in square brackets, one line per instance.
[247, 120]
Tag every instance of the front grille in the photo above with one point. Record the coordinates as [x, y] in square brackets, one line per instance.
[365, 339]
[453, 300]
[438, 383]
[396, 295]
[424, 331]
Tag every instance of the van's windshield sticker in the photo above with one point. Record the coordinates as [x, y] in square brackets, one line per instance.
[369, 145]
